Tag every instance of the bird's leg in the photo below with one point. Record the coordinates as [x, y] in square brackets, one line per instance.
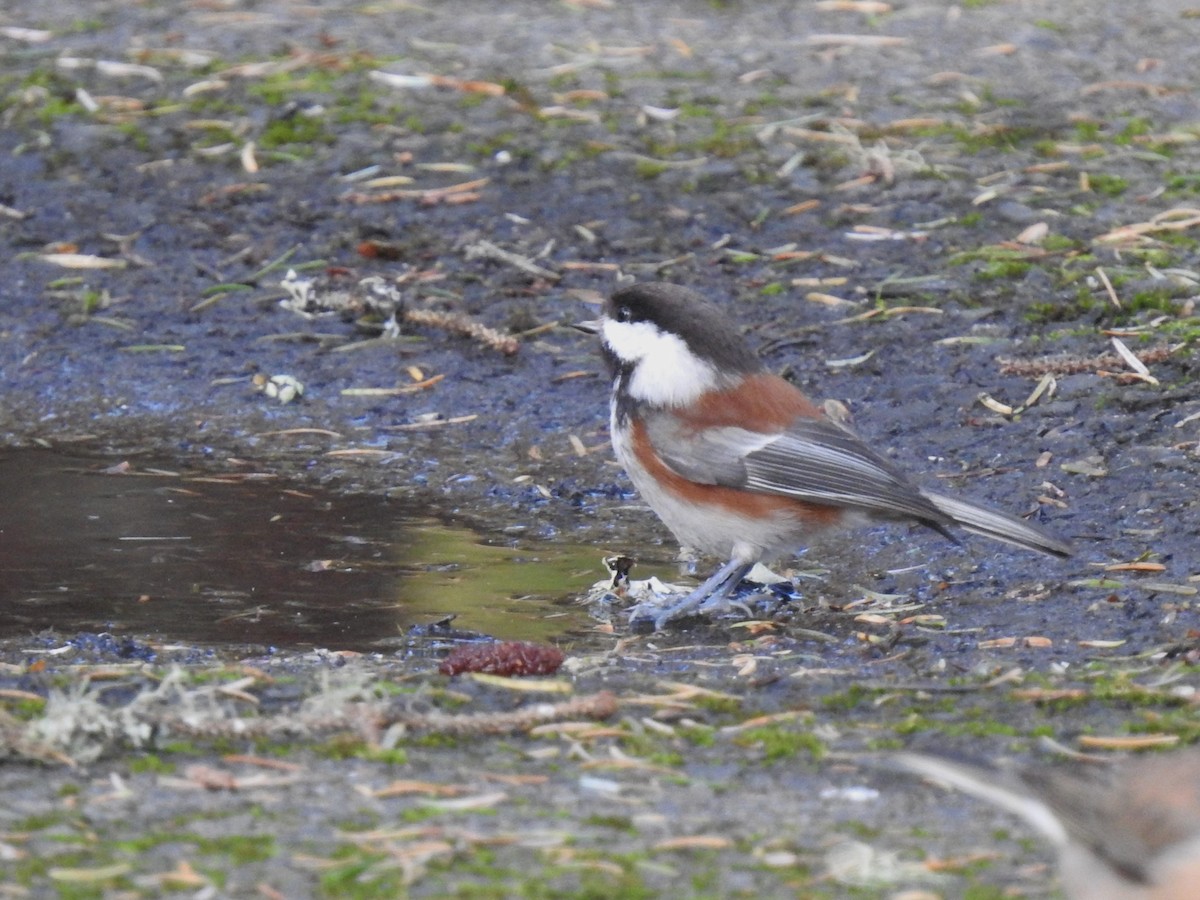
[712, 595]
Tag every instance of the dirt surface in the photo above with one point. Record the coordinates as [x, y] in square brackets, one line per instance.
[907, 208]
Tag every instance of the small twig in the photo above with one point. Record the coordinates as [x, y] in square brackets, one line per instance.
[272, 265]
[462, 192]
[431, 424]
[1073, 365]
[458, 323]
[488, 250]
[1108, 286]
[394, 391]
[373, 717]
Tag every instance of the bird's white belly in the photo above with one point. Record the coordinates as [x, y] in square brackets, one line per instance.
[714, 530]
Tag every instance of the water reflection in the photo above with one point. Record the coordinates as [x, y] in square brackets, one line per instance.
[200, 558]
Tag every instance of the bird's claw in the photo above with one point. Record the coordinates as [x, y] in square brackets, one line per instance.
[646, 618]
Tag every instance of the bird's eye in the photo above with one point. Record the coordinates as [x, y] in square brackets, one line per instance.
[624, 314]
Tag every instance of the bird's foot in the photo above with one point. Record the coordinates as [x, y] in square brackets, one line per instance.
[649, 616]
[712, 596]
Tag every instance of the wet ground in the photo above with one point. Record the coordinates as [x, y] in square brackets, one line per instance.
[246, 558]
[924, 211]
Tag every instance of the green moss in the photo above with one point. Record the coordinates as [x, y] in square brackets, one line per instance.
[1177, 239]
[1059, 311]
[1183, 183]
[295, 129]
[720, 705]
[435, 740]
[990, 253]
[1003, 138]
[649, 168]
[213, 675]
[1059, 242]
[178, 746]
[1047, 147]
[1153, 256]
[135, 135]
[351, 747]
[1120, 687]
[92, 891]
[1155, 299]
[1179, 722]
[954, 721]
[494, 143]
[1134, 128]
[697, 108]
[232, 849]
[278, 88]
[151, 763]
[564, 81]
[1003, 268]
[700, 737]
[1108, 185]
[1187, 330]
[364, 107]
[612, 84]
[40, 821]
[1091, 301]
[671, 759]
[848, 699]
[860, 830]
[27, 708]
[985, 891]
[358, 877]
[473, 100]
[91, 300]
[478, 875]
[413, 123]
[617, 823]
[764, 103]
[726, 141]
[56, 107]
[415, 815]
[779, 743]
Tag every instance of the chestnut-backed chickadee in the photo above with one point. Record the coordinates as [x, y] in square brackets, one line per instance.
[1128, 831]
[738, 462]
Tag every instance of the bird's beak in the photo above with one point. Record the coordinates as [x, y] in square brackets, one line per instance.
[592, 326]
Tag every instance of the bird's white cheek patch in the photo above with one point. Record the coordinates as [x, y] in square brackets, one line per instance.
[666, 372]
[630, 341]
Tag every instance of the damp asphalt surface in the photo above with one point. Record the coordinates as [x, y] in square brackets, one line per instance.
[921, 210]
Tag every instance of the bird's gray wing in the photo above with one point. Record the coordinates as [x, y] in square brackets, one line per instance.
[814, 460]
[821, 462]
[705, 456]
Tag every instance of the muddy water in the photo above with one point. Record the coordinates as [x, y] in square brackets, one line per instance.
[131, 548]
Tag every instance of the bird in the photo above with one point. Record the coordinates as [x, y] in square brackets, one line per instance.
[1125, 831]
[737, 461]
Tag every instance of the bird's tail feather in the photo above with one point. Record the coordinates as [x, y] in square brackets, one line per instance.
[999, 526]
[996, 787]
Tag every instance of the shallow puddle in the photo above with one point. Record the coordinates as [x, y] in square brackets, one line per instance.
[134, 549]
